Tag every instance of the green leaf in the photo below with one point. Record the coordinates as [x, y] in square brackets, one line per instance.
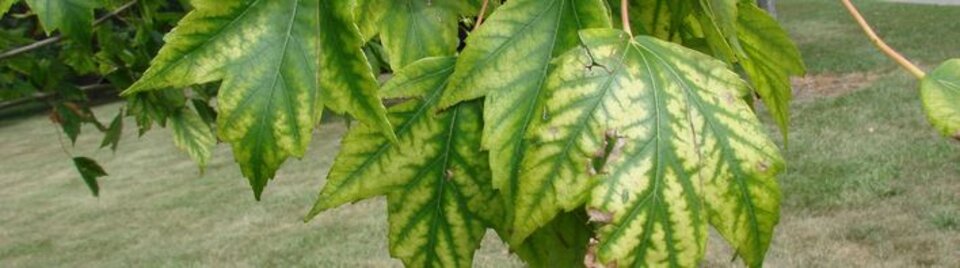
[561, 243]
[72, 17]
[346, 80]
[265, 53]
[659, 138]
[659, 18]
[68, 118]
[5, 6]
[114, 132]
[718, 22]
[506, 60]
[90, 171]
[769, 59]
[148, 107]
[416, 29]
[207, 113]
[940, 93]
[435, 176]
[192, 135]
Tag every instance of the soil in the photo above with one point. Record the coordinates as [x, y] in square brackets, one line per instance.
[830, 85]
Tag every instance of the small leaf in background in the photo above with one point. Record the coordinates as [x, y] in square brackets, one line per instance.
[5, 6]
[416, 29]
[72, 17]
[71, 117]
[192, 135]
[769, 59]
[112, 137]
[89, 171]
[67, 120]
[940, 93]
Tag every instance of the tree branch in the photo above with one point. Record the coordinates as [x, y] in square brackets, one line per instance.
[483, 11]
[886, 49]
[625, 16]
[47, 95]
[56, 39]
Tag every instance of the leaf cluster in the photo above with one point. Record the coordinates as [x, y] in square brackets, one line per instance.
[580, 140]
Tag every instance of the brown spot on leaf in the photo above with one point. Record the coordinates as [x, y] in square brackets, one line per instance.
[763, 166]
[599, 216]
[956, 136]
[591, 170]
[590, 260]
[55, 117]
[553, 131]
[729, 99]
[448, 174]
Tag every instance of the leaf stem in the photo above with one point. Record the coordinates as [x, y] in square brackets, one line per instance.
[483, 11]
[56, 39]
[886, 49]
[625, 16]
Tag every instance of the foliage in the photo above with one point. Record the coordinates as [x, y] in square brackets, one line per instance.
[576, 141]
[940, 92]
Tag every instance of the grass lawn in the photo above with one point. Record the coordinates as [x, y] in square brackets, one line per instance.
[868, 184]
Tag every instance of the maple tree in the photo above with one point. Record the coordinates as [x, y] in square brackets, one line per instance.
[584, 132]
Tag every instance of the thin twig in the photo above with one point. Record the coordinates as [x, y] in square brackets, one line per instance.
[625, 16]
[886, 49]
[483, 11]
[56, 39]
[47, 95]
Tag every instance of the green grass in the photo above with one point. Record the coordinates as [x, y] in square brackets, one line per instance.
[157, 209]
[830, 40]
[868, 182]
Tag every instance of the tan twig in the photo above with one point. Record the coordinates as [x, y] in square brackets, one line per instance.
[886, 49]
[483, 12]
[625, 16]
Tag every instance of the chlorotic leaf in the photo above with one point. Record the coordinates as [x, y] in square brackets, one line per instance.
[265, 53]
[72, 17]
[940, 93]
[769, 59]
[660, 138]
[112, 136]
[416, 29]
[435, 176]
[506, 59]
[346, 79]
[89, 171]
[192, 135]
[372, 12]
